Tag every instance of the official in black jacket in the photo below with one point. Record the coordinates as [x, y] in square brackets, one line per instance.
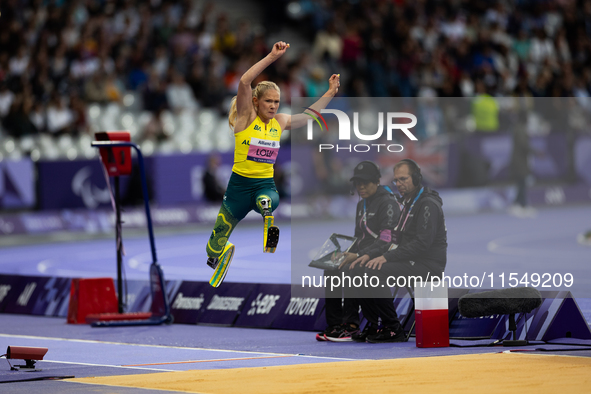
[377, 214]
[419, 248]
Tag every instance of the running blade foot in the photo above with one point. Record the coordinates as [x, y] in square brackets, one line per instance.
[272, 239]
[223, 264]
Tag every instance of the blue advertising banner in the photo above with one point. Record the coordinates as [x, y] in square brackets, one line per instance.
[24, 293]
[273, 306]
[557, 317]
[7, 290]
[582, 158]
[263, 306]
[178, 178]
[302, 312]
[224, 304]
[53, 298]
[72, 184]
[189, 301]
[17, 184]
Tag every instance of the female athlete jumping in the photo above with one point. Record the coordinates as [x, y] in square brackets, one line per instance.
[257, 132]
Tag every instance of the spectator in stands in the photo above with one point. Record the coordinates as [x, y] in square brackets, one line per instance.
[19, 63]
[113, 89]
[38, 117]
[212, 189]
[316, 85]
[79, 113]
[154, 129]
[95, 89]
[155, 99]
[161, 61]
[544, 44]
[6, 99]
[17, 122]
[328, 45]
[60, 119]
[485, 110]
[179, 94]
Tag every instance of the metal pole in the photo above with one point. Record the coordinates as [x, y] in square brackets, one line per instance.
[118, 236]
[107, 144]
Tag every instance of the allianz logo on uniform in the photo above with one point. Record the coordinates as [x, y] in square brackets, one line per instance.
[225, 303]
[262, 305]
[266, 143]
[190, 303]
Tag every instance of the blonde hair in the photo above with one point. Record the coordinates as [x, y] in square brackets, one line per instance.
[257, 92]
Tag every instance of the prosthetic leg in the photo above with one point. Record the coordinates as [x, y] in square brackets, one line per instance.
[222, 265]
[270, 231]
[219, 251]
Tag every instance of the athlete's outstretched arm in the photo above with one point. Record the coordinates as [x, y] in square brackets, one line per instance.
[244, 97]
[299, 120]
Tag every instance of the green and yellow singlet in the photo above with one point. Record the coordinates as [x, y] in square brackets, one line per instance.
[256, 149]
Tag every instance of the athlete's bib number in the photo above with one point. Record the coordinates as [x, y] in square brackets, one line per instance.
[263, 151]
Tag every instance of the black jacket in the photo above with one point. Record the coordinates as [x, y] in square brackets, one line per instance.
[424, 237]
[381, 212]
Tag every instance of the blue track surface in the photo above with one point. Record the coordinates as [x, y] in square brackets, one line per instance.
[483, 243]
[478, 244]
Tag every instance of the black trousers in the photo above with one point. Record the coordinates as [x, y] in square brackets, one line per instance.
[341, 306]
[375, 297]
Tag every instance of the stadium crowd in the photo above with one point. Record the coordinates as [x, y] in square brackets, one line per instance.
[57, 57]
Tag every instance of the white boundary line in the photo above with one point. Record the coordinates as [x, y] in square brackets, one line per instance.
[167, 347]
[111, 366]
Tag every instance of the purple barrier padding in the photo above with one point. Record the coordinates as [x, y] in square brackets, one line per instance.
[497, 149]
[139, 298]
[549, 164]
[263, 305]
[552, 163]
[302, 312]
[453, 164]
[24, 293]
[557, 317]
[102, 220]
[42, 222]
[189, 301]
[483, 327]
[224, 304]
[178, 178]
[7, 290]
[34, 295]
[559, 195]
[11, 224]
[404, 304]
[17, 184]
[321, 324]
[54, 298]
[582, 158]
[139, 294]
[74, 184]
